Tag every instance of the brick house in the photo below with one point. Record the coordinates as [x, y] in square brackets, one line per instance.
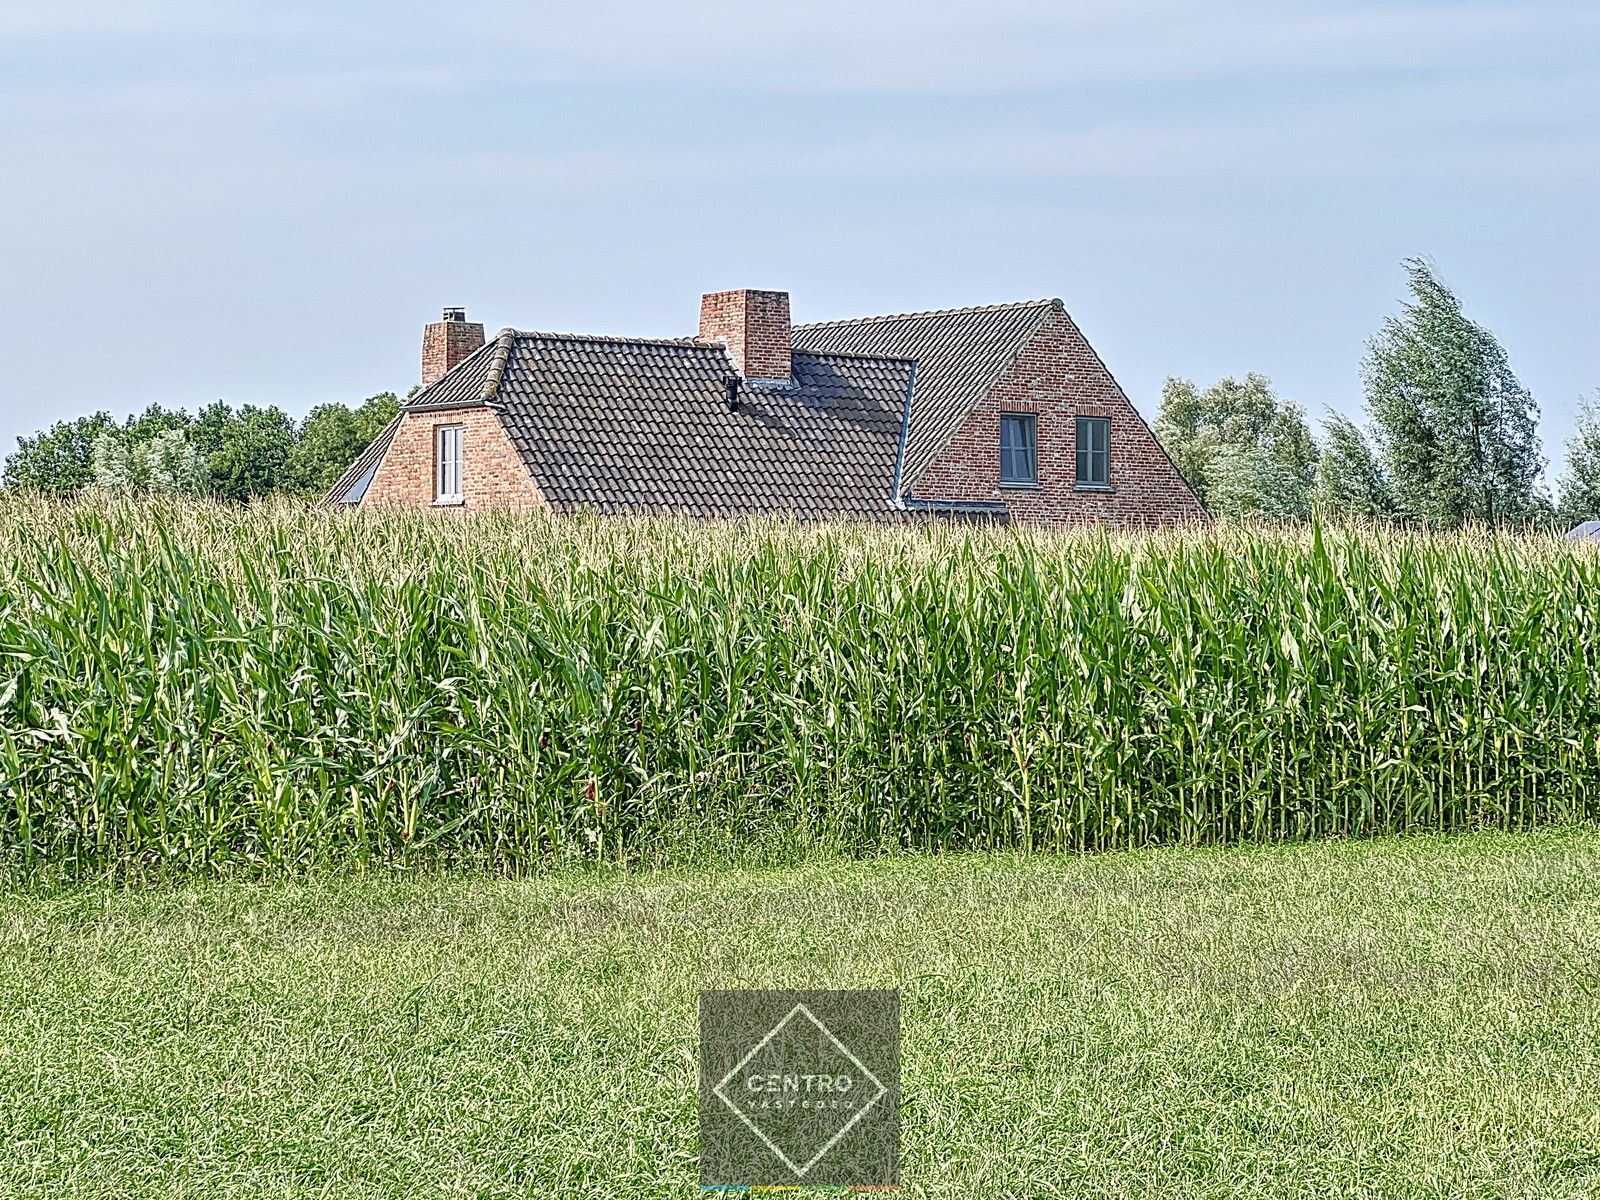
[1001, 412]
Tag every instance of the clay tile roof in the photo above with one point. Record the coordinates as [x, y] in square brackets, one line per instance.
[959, 352]
[644, 425]
[634, 425]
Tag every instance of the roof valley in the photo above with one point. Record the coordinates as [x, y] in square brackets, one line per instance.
[960, 354]
[644, 424]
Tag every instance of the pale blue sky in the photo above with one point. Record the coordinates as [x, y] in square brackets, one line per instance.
[265, 202]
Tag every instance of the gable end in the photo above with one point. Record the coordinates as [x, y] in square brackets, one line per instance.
[1057, 379]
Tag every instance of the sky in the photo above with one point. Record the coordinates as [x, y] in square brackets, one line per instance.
[265, 203]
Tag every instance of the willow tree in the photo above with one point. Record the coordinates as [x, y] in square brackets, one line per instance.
[1244, 450]
[1580, 486]
[1457, 431]
[1350, 480]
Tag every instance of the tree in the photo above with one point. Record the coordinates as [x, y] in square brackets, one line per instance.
[1242, 436]
[1350, 482]
[1247, 481]
[211, 426]
[235, 455]
[1457, 431]
[252, 451]
[1580, 486]
[154, 420]
[164, 462]
[172, 465]
[114, 468]
[330, 439]
[60, 460]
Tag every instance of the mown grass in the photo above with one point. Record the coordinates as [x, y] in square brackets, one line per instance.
[200, 687]
[1392, 1018]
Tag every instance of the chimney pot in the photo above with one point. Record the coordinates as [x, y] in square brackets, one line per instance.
[754, 326]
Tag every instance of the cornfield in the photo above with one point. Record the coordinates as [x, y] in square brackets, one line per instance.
[202, 687]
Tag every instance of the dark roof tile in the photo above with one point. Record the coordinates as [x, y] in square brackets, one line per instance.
[959, 353]
[627, 426]
[352, 485]
[635, 424]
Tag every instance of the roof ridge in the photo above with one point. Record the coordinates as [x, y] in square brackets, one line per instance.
[938, 312]
[859, 355]
[497, 363]
[606, 337]
[697, 342]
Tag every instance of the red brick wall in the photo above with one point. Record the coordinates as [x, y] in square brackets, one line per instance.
[492, 473]
[755, 327]
[444, 344]
[1059, 377]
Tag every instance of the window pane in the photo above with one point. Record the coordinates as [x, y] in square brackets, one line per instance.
[1094, 451]
[447, 463]
[1018, 462]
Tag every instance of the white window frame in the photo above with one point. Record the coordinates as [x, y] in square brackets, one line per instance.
[449, 463]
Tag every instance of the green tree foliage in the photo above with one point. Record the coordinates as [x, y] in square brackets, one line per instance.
[61, 459]
[1580, 486]
[253, 453]
[236, 455]
[1457, 431]
[155, 420]
[211, 427]
[330, 439]
[1350, 480]
[164, 462]
[1245, 451]
[1247, 481]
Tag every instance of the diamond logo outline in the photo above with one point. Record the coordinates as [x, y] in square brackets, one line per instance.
[802, 1010]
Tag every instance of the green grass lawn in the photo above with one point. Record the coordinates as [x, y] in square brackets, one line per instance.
[1397, 1018]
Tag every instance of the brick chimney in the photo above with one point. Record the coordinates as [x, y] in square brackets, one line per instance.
[755, 328]
[447, 342]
